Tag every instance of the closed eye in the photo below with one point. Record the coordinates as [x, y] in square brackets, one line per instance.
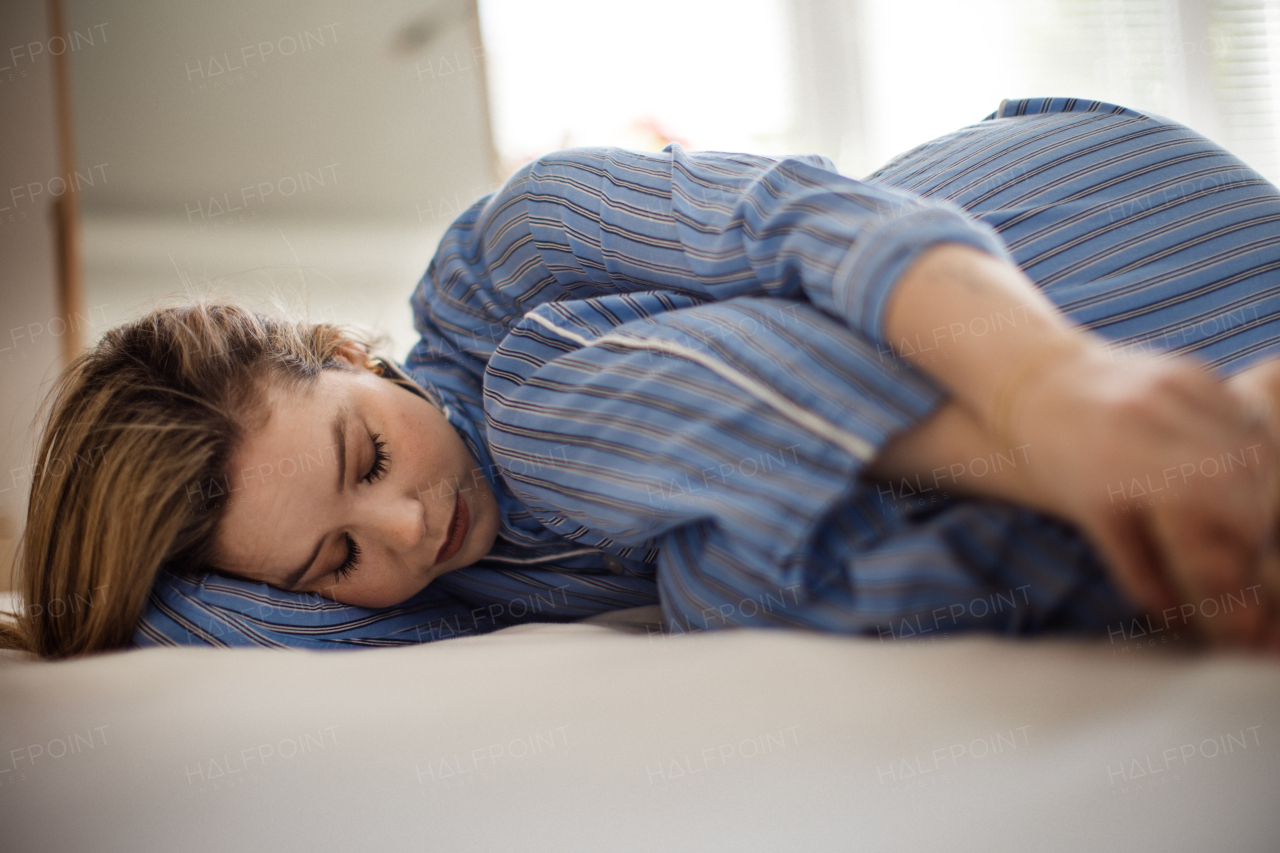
[353, 559]
[381, 461]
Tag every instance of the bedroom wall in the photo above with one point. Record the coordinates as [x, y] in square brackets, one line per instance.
[303, 153]
[189, 101]
[308, 153]
[30, 329]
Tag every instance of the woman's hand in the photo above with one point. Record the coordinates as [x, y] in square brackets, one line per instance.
[1172, 476]
[1125, 448]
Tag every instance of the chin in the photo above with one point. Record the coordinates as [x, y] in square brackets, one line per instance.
[484, 543]
[392, 601]
[389, 599]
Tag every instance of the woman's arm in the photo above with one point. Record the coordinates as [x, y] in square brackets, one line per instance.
[1104, 436]
[593, 221]
[736, 455]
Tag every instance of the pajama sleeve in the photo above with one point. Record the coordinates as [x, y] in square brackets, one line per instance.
[731, 436]
[592, 221]
[724, 434]
[212, 610]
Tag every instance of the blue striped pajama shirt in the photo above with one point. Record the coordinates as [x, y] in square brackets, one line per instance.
[672, 367]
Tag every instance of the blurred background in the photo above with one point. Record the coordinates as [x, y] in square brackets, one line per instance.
[310, 154]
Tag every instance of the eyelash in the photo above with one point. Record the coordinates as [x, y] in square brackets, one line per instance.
[353, 559]
[381, 459]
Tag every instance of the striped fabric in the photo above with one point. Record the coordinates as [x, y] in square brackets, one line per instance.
[672, 368]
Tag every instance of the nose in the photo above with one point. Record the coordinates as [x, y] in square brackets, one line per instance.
[400, 522]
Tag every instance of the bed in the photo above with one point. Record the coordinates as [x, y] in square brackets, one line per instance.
[610, 735]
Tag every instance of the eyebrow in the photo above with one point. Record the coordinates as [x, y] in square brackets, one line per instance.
[339, 429]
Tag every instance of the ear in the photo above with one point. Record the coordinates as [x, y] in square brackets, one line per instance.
[352, 353]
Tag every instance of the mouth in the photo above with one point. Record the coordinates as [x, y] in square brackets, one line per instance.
[458, 526]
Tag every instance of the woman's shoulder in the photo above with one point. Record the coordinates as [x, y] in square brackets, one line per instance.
[1017, 107]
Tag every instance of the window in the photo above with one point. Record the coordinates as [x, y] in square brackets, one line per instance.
[863, 80]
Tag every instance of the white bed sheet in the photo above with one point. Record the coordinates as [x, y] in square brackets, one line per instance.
[590, 737]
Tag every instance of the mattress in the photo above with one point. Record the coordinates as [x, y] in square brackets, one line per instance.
[609, 735]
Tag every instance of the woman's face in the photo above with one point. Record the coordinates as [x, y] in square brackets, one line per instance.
[355, 472]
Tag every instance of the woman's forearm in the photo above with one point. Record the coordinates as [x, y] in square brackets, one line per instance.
[970, 321]
[1107, 437]
[951, 452]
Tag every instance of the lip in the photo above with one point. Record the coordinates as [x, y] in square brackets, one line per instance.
[458, 526]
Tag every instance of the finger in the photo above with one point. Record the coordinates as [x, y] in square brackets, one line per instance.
[1226, 462]
[1134, 563]
[1272, 648]
[1234, 488]
[1269, 599]
[1270, 643]
[1269, 571]
[1211, 569]
[1209, 546]
[1216, 536]
[1215, 459]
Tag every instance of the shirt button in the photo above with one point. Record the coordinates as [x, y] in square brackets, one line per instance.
[613, 564]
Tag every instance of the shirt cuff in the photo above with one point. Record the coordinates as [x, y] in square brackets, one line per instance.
[866, 277]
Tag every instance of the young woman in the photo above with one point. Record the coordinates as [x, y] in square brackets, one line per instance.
[750, 390]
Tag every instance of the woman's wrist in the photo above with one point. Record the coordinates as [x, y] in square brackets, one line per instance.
[1037, 369]
[989, 330]
[951, 453]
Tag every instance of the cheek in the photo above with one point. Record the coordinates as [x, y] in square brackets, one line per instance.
[393, 592]
[385, 586]
[432, 448]
[249, 532]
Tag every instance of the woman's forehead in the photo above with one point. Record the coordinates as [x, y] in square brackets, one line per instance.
[299, 418]
[281, 475]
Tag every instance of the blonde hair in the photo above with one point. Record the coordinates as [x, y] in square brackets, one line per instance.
[135, 423]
